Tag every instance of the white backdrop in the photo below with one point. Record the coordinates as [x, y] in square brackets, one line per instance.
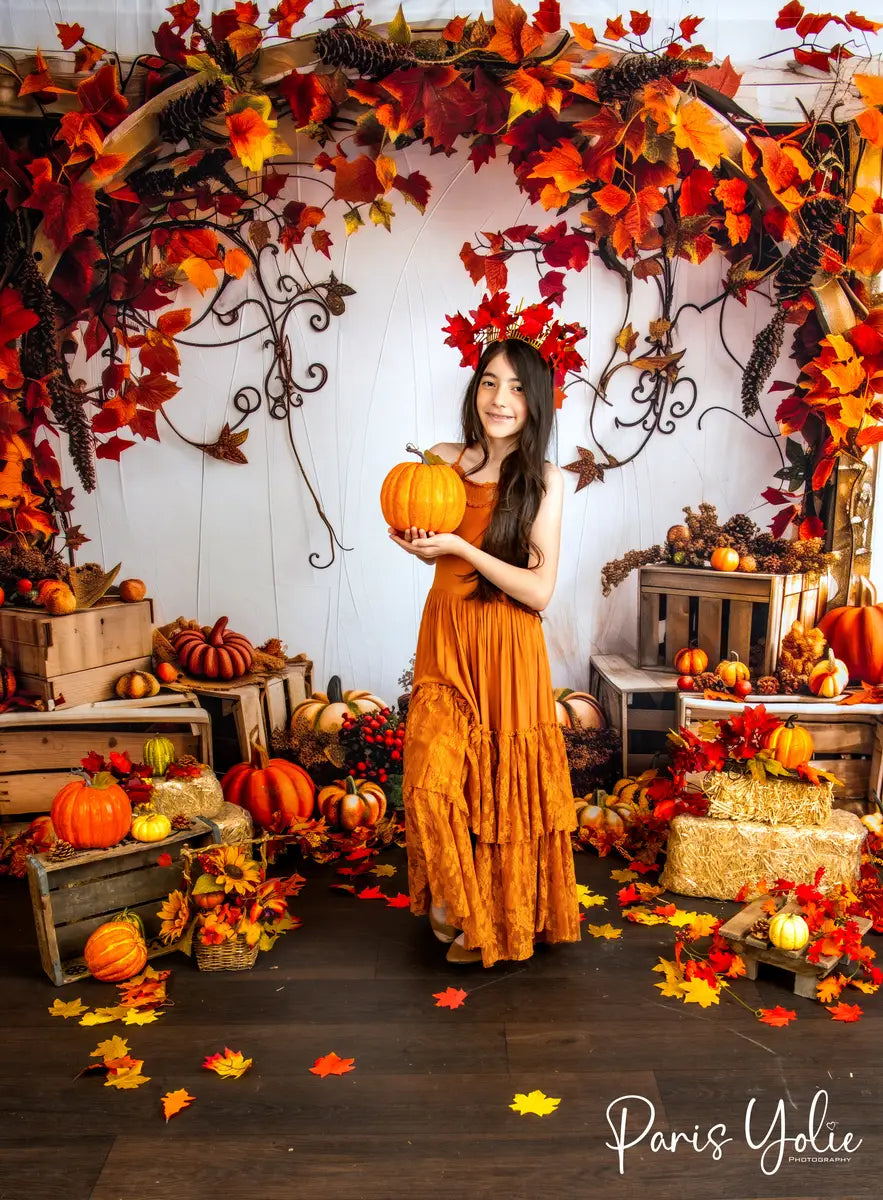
[212, 538]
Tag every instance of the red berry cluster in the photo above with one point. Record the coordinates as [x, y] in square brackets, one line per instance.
[372, 744]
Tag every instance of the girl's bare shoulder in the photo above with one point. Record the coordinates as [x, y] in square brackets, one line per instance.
[449, 451]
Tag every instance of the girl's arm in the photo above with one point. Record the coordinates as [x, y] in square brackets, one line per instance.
[534, 584]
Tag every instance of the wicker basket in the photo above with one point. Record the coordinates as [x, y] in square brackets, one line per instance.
[233, 955]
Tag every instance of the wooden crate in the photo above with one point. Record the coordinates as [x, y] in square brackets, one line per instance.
[39, 750]
[721, 611]
[848, 740]
[639, 704]
[77, 658]
[72, 898]
[754, 951]
[252, 710]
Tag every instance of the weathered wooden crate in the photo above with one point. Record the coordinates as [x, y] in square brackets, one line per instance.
[72, 898]
[754, 951]
[251, 711]
[77, 658]
[639, 704]
[38, 751]
[848, 740]
[721, 611]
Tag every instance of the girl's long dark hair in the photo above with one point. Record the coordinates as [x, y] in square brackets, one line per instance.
[522, 483]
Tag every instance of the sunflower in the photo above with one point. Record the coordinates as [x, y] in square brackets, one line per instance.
[232, 870]
[174, 912]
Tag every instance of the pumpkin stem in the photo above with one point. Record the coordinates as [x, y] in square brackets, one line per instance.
[789, 724]
[734, 656]
[335, 691]
[260, 759]
[216, 637]
[412, 449]
[351, 785]
[132, 918]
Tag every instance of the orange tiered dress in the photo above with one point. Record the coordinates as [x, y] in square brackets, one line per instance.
[488, 802]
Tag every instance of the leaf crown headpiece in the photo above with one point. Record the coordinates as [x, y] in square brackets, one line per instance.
[494, 321]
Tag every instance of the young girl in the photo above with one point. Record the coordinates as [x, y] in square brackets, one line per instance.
[488, 803]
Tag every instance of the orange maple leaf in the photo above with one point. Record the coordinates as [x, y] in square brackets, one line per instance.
[332, 1064]
[866, 256]
[870, 88]
[846, 1012]
[615, 29]
[450, 998]
[870, 123]
[513, 37]
[830, 988]
[777, 1015]
[695, 129]
[564, 165]
[583, 35]
[175, 1102]
[611, 199]
[236, 262]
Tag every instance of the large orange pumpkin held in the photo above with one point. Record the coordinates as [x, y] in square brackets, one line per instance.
[428, 494]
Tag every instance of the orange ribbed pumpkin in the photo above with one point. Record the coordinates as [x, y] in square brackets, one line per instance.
[351, 802]
[92, 816]
[216, 655]
[267, 785]
[791, 744]
[428, 494]
[117, 950]
[855, 634]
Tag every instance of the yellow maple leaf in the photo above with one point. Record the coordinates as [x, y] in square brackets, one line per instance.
[135, 1016]
[586, 897]
[229, 1065]
[594, 901]
[535, 1102]
[669, 969]
[604, 931]
[115, 1047]
[383, 869]
[101, 1016]
[68, 1008]
[352, 221]
[583, 35]
[699, 991]
[829, 989]
[128, 1078]
[703, 924]
[643, 916]
[199, 273]
[381, 213]
[680, 916]
[624, 875]
[252, 130]
[387, 169]
[863, 200]
[672, 988]
[864, 986]
[175, 1102]
[695, 129]
[866, 256]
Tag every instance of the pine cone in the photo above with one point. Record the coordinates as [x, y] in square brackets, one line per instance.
[62, 850]
[370, 56]
[707, 680]
[764, 354]
[768, 685]
[188, 760]
[798, 268]
[741, 529]
[821, 215]
[183, 118]
[632, 72]
[792, 682]
[181, 822]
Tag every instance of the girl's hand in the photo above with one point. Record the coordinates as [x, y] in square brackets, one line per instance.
[427, 546]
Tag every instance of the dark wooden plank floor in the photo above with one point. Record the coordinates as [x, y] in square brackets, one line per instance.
[425, 1113]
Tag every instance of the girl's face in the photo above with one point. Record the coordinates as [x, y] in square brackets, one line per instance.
[502, 408]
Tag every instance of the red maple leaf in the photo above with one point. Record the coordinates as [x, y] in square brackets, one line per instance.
[399, 900]
[371, 893]
[845, 1012]
[92, 763]
[548, 16]
[164, 860]
[639, 22]
[66, 211]
[777, 1015]
[615, 29]
[69, 35]
[112, 448]
[513, 37]
[451, 997]
[100, 96]
[688, 27]
[789, 15]
[308, 99]
[332, 1064]
[121, 762]
[355, 180]
[415, 188]
[494, 100]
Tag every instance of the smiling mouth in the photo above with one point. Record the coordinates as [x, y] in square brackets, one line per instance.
[498, 417]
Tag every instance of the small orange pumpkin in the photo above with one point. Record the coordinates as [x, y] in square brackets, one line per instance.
[132, 590]
[57, 598]
[116, 950]
[690, 661]
[428, 494]
[725, 558]
[731, 670]
[578, 710]
[829, 677]
[791, 744]
[92, 816]
[351, 803]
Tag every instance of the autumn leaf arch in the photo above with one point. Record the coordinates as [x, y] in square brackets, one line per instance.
[123, 183]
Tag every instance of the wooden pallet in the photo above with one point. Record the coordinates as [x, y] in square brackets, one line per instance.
[721, 611]
[639, 704]
[40, 750]
[755, 951]
[848, 740]
[72, 898]
[78, 657]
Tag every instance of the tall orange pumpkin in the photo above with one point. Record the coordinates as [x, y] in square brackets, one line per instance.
[428, 494]
[266, 786]
[116, 950]
[92, 816]
[855, 634]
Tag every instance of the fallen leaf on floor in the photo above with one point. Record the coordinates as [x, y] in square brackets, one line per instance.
[383, 869]
[143, 993]
[587, 898]
[700, 991]
[332, 1064]
[66, 1008]
[341, 887]
[777, 1015]
[399, 900]
[535, 1102]
[604, 931]
[450, 998]
[229, 1065]
[360, 852]
[624, 875]
[829, 989]
[864, 986]
[845, 1012]
[101, 1016]
[127, 1078]
[138, 1016]
[371, 893]
[115, 1047]
[362, 869]
[175, 1102]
